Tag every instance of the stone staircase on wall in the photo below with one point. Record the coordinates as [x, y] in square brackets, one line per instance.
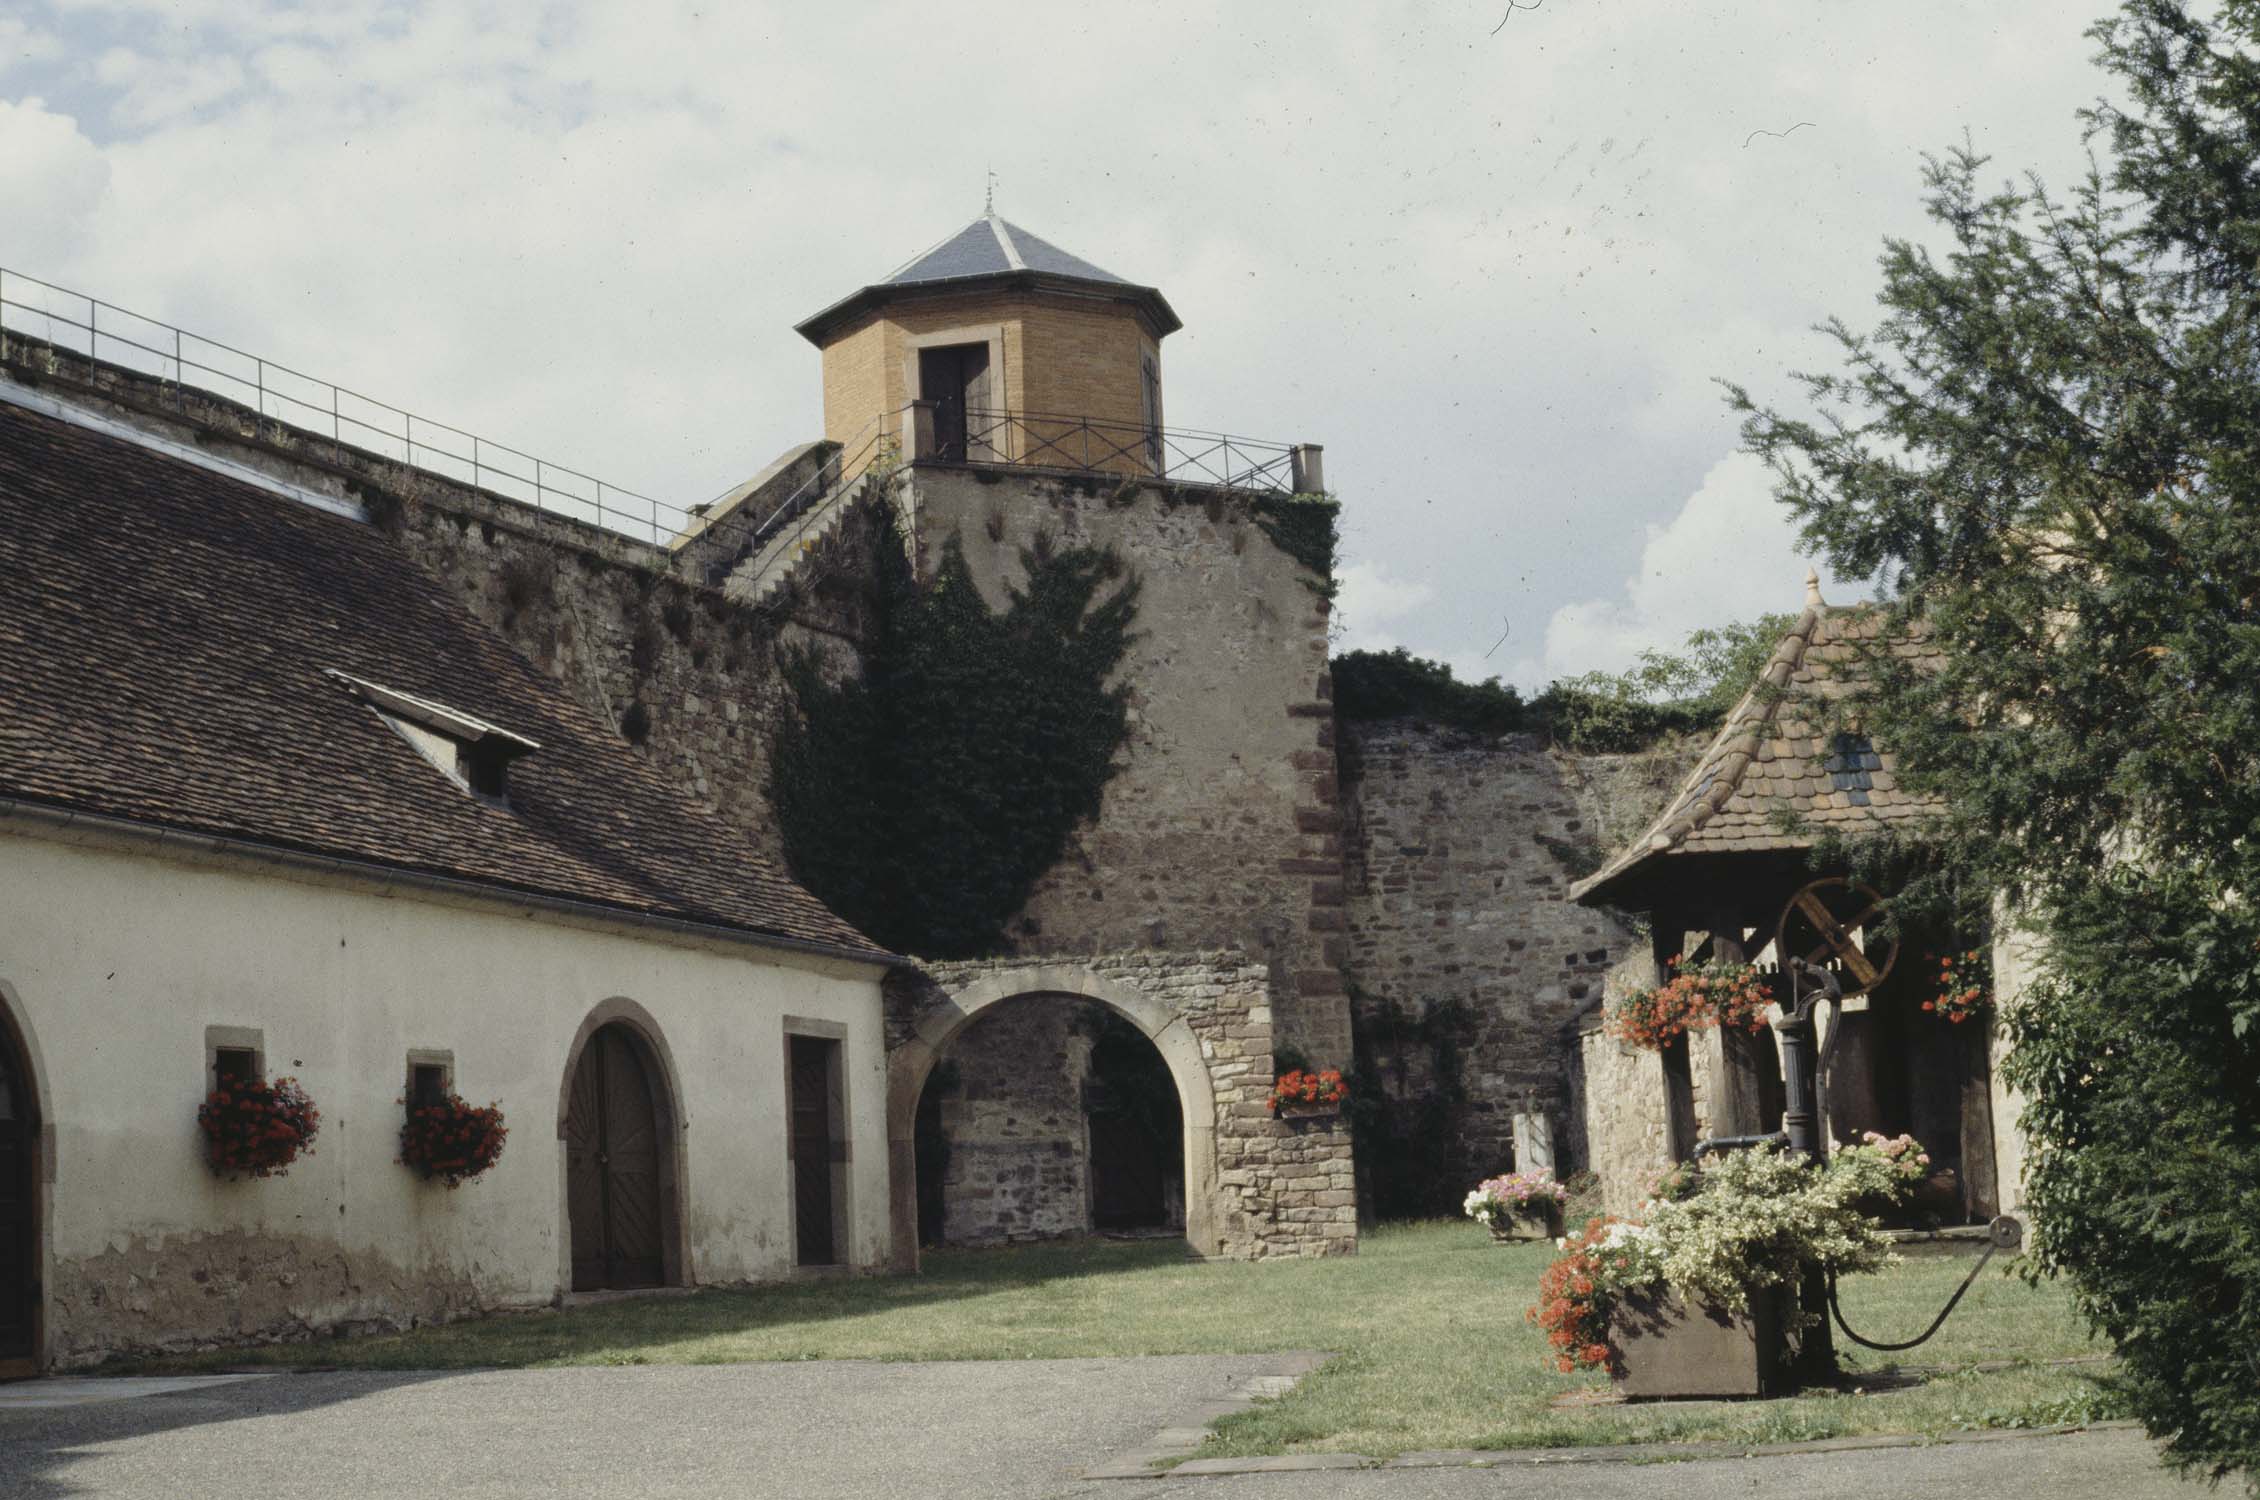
[756, 577]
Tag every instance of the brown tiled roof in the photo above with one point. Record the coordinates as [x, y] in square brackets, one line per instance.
[165, 643]
[1776, 756]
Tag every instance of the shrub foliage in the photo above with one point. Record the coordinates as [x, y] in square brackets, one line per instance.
[1665, 693]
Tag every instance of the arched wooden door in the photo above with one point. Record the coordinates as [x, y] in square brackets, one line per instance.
[19, 1215]
[612, 1166]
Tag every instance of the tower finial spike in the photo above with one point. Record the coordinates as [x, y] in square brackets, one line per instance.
[989, 198]
[1812, 587]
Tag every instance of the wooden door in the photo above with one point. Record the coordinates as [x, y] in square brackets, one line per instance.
[955, 377]
[814, 1146]
[19, 1215]
[612, 1167]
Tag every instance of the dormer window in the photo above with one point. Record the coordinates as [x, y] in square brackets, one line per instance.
[469, 751]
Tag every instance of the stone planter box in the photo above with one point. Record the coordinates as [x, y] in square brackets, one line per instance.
[1308, 1112]
[1672, 1350]
[1539, 1222]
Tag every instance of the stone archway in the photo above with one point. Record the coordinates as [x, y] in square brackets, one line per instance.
[942, 1018]
[620, 1126]
[1254, 1186]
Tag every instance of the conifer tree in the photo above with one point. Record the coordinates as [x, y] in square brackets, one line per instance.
[2049, 447]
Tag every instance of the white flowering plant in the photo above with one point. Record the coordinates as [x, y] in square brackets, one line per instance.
[1495, 1200]
[1756, 1219]
[1760, 1217]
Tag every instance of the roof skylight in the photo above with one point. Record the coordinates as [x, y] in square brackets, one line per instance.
[466, 749]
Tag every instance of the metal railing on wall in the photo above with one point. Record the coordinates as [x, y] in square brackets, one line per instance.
[102, 331]
[1176, 455]
[59, 318]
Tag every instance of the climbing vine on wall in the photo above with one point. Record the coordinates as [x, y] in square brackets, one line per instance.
[924, 800]
[1303, 527]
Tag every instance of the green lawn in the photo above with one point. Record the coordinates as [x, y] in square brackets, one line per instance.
[1432, 1350]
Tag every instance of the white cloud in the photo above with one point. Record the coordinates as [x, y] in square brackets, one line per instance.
[1369, 600]
[155, 91]
[22, 45]
[1372, 608]
[1729, 555]
[56, 179]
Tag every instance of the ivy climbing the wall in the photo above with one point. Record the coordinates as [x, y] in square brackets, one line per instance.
[924, 800]
[1306, 528]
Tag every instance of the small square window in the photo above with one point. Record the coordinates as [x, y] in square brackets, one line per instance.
[233, 1055]
[430, 1078]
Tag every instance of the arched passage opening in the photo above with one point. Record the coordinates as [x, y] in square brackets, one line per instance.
[1048, 1116]
[1084, 1104]
[621, 1127]
[22, 1193]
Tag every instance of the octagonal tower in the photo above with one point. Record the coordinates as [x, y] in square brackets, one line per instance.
[998, 346]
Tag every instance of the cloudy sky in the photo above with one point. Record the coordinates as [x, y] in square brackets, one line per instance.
[1491, 259]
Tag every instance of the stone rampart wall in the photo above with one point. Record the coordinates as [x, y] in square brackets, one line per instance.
[1461, 851]
[1018, 1154]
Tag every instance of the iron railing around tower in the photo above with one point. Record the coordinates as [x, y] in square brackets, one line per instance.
[1095, 445]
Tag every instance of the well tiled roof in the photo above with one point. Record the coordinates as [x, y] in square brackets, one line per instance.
[1776, 756]
[166, 648]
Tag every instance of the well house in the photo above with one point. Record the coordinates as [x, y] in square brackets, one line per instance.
[1744, 865]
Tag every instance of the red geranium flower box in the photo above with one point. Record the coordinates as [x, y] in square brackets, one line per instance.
[256, 1129]
[1307, 1091]
[452, 1141]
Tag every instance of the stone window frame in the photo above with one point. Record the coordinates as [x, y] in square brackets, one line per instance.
[843, 1127]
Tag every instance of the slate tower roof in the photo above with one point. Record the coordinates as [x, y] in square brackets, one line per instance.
[990, 246]
[991, 253]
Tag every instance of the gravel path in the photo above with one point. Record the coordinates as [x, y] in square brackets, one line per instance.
[843, 1430]
[835, 1430]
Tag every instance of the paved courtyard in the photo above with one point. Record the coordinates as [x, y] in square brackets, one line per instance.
[842, 1430]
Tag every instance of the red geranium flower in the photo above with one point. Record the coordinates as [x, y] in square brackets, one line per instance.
[452, 1141]
[257, 1129]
